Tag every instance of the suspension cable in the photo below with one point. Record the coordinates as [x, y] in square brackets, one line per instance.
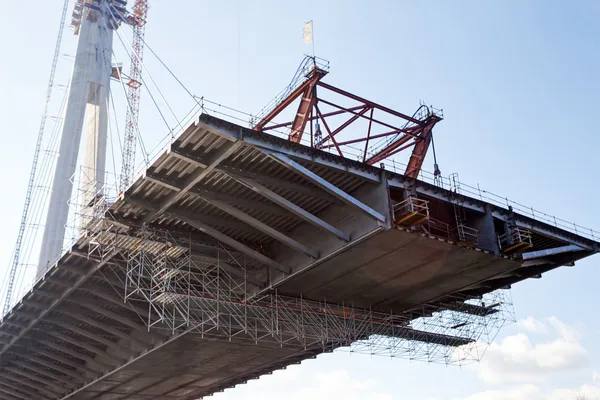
[38, 145]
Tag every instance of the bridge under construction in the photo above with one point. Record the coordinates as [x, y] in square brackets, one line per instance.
[238, 252]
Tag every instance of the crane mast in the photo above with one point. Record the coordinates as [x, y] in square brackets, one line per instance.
[139, 14]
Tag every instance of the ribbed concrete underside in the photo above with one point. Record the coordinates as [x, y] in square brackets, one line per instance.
[397, 270]
[191, 367]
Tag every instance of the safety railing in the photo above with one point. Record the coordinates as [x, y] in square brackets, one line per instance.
[411, 211]
[307, 65]
[465, 234]
[515, 239]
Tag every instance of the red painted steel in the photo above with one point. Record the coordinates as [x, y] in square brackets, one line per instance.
[401, 131]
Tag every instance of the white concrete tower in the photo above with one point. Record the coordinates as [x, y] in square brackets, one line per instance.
[87, 102]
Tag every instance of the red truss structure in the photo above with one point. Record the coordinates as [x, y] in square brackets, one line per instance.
[338, 119]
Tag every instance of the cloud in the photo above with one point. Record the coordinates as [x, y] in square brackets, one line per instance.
[532, 325]
[517, 358]
[524, 392]
[589, 391]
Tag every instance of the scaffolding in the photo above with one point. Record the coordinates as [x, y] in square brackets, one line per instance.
[185, 291]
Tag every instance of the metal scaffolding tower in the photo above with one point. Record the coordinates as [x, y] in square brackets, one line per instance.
[138, 23]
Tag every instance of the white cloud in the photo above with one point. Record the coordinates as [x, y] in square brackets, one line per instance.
[517, 358]
[588, 391]
[525, 392]
[532, 325]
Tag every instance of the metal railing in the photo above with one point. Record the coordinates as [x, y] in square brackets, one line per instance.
[464, 233]
[492, 198]
[412, 205]
[515, 236]
[306, 67]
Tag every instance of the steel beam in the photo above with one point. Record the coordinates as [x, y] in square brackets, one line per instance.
[275, 234]
[325, 185]
[222, 154]
[551, 252]
[292, 208]
[232, 242]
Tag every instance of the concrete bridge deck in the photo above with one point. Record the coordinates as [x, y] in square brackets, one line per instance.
[281, 218]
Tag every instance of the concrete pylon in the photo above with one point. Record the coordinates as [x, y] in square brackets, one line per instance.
[88, 94]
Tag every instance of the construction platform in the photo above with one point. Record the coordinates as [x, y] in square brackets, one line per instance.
[238, 253]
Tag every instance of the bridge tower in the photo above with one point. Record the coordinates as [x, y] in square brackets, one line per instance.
[94, 22]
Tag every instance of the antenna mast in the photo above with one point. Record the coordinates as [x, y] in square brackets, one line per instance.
[139, 14]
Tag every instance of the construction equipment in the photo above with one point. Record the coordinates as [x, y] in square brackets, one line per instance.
[137, 21]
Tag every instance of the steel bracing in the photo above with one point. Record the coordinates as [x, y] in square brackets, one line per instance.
[330, 112]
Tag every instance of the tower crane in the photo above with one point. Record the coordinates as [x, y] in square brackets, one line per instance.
[138, 22]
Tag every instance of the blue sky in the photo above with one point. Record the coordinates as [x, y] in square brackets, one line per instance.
[518, 82]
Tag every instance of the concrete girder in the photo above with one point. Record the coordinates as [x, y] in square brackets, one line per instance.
[49, 307]
[275, 234]
[49, 374]
[20, 325]
[35, 378]
[90, 335]
[213, 195]
[35, 304]
[46, 364]
[292, 208]
[109, 390]
[92, 349]
[264, 179]
[61, 359]
[228, 224]
[109, 329]
[248, 219]
[63, 349]
[14, 391]
[328, 187]
[35, 387]
[232, 242]
[27, 314]
[120, 303]
[147, 352]
[119, 318]
[222, 154]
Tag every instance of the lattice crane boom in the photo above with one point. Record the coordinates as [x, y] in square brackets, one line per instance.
[138, 22]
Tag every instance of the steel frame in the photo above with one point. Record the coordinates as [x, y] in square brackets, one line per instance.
[392, 131]
[183, 292]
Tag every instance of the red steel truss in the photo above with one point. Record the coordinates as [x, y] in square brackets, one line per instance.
[383, 133]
